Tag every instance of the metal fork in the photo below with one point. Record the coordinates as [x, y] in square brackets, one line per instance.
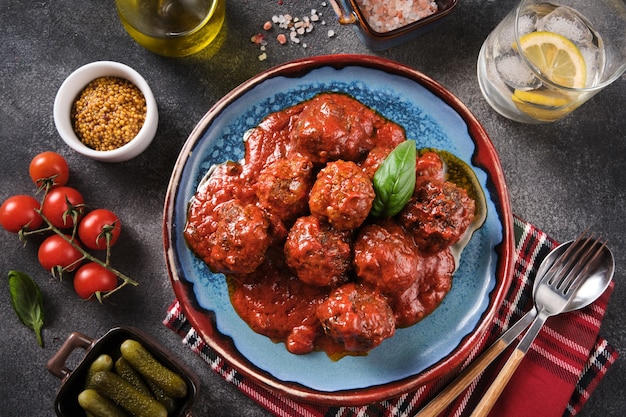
[552, 297]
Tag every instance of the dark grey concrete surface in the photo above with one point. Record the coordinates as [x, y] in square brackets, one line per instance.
[563, 177]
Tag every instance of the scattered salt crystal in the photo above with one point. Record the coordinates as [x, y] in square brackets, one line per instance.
[295, 27]
[258, 38]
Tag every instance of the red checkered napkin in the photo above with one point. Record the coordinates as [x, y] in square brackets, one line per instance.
[563, 367]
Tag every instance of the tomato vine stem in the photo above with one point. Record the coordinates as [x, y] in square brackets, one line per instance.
[86, 255]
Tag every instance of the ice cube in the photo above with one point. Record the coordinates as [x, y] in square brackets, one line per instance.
[594, 63]
[526, 22]
[515, 73]
[566, 22]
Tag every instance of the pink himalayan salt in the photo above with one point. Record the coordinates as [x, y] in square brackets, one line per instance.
[384, 16]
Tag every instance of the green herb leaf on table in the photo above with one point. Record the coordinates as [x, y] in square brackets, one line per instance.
[394, 181]
[27, 302]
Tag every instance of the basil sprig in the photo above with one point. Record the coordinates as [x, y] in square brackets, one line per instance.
[394, 181]
[27, 302]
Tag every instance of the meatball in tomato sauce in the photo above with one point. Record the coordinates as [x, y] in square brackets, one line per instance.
[429, 165]
[240, 240]
[283, 187]
[437, 215]
[332, 127]
[318, 253]
[386, 257]
[374, 160]
[357, 317]
[412, 304]
[342, 195]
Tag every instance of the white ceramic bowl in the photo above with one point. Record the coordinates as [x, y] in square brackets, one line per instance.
[71, 88]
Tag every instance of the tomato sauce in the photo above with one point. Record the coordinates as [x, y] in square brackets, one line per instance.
[289, 228]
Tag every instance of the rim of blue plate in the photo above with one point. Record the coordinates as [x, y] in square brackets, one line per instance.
[483, 157]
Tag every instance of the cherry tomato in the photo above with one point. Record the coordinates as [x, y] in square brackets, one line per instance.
[56, 208]
[49, 168]
[96, 226]
[19, 212]
[55, 251]
[92, 278]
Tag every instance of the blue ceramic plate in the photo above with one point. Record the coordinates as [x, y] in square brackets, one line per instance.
[434, 346]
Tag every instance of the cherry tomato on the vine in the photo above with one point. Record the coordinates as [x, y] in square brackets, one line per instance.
[49, 168]
[96, 226]
[55, 251]
[56, 209]
[92, 278]
[19, 212]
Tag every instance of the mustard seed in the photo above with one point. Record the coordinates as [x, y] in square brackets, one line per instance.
[108, 113]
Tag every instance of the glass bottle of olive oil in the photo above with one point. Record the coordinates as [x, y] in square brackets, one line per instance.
[172, 28]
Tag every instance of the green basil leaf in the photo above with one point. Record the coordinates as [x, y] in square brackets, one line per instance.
[394, 181]
[27, 302]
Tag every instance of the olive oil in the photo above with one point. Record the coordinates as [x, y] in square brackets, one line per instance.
[172, 28]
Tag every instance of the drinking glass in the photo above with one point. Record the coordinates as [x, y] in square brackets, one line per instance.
[546, 59]
[172, 28]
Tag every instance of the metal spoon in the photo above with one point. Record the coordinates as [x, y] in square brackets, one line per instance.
[551, 297]
[595, 284]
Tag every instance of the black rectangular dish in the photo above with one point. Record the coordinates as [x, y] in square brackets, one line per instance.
[73, 381]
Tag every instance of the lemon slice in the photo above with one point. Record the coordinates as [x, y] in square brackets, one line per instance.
[556, 57]
[546, 98]
[544, 105]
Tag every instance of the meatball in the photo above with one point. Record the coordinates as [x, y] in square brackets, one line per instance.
[269, 141]
[429, 165]
[283, 187]
[218, 187]
[437, 215]
[223, 183]
[334, 126]
[342, 194]
[425, 294]
[386, 257]
[318, 253]
[374, 160]
[356, 317]
[240, 240]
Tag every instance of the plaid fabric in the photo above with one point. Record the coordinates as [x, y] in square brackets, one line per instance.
[566, 362]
